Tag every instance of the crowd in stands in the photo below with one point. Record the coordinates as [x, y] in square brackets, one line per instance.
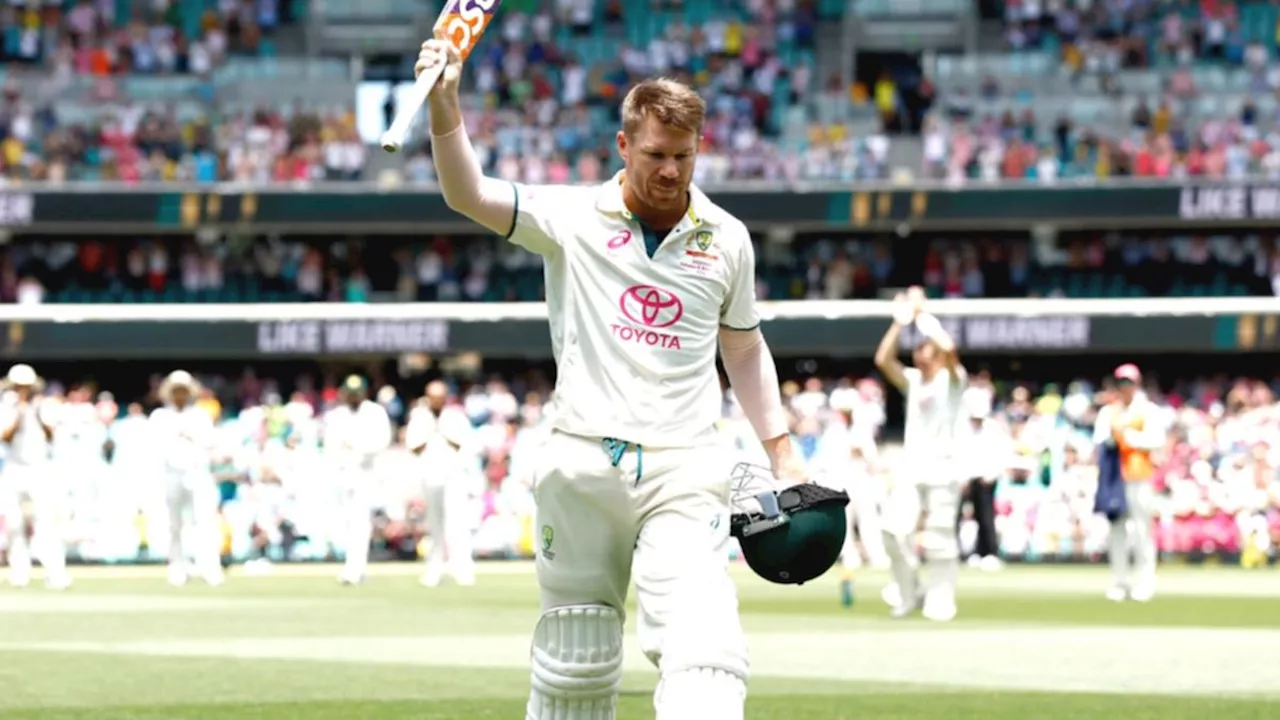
[1218, 479]
[542, 91]
[1155, 89]
[106, 37]
[483, 268]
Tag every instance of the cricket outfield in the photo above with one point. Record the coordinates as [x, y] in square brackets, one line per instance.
[1031, 643]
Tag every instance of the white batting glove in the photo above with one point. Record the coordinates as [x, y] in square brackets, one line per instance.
[903, 314]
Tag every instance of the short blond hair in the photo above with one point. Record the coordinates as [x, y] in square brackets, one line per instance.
[671, 102]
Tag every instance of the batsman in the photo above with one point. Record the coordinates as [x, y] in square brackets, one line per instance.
[926, 488]
[645, 276]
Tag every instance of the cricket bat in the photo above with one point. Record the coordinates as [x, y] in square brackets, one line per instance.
[463, 22]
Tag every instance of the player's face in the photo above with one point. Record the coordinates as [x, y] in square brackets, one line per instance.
[181, 396]
[925, 355]
[659, 162]
[1126, 389]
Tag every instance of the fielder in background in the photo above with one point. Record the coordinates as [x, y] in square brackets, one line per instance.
[985, 452]
[1130, 426]
[440, 434]
[644, 276]
[184, 433]
[27, 426]
[926, 493]
[354, 433]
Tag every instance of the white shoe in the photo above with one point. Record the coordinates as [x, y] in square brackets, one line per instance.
[60, 582]
[215, 579]
[974, 562]
[430, 578]
[257, 567]
[939, 607]
[991, 563]
[939, 612]
[177, 575]
[892, 595]
[19, 582]
[1115, 593]
[465, 580]
[350, 579]
[1142, 594]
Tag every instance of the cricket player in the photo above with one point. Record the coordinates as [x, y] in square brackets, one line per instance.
[1132, 425]
[926, 492]
[644, 276]
[441, 435]
[354, 433]
[856, 459]
[27, 427]
[184, 435]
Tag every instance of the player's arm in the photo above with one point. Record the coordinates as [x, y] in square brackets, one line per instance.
[515, 212]
[46, 426]
[11, 422]
[1151, 436]
[415, 438]
[749, 364]
[930, 327]
[377, 434]
[1102, 435]
[887, 352]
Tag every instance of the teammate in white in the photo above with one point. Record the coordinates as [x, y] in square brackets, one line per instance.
[854, 458]
[184, 435]
[27, 427]
[926, 494]
[354, 433]
[442, 436]
[643, 274]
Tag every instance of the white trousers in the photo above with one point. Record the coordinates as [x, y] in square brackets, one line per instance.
[866, 497]
[452, 545]
[195, 531]
[1135, 532]
[355, 517]
[658, 516]
[922, 510]
[39, 486]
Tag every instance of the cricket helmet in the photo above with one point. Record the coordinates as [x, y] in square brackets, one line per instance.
[787, 536]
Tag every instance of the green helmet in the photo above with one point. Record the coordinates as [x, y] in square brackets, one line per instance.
[787, 536]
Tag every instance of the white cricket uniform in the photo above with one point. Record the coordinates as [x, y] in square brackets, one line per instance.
[447, 464]
[927, 482]
[631, 477]
[352, 441]
[185, 437]
[29, 477]
[850, 455]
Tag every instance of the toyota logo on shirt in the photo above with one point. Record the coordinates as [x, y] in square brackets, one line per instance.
[651, 306]
[649, 309]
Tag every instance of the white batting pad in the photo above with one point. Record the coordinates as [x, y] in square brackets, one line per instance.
[700, 694]
[577, 664]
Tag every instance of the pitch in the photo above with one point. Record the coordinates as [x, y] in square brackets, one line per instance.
[1030, 642]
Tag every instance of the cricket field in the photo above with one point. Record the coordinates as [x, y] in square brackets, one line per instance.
[1031, 643]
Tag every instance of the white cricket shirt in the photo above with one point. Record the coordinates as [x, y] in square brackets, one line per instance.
[184, 438]
[446, 436]
[30, 446]
[635, 336]
[933, 412]
[352, 439]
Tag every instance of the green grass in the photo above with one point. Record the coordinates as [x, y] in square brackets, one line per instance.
[1030, 644]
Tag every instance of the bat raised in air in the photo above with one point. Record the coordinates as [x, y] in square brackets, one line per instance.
[462, 23]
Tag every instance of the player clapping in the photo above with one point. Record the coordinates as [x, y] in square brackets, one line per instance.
[27, 428]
